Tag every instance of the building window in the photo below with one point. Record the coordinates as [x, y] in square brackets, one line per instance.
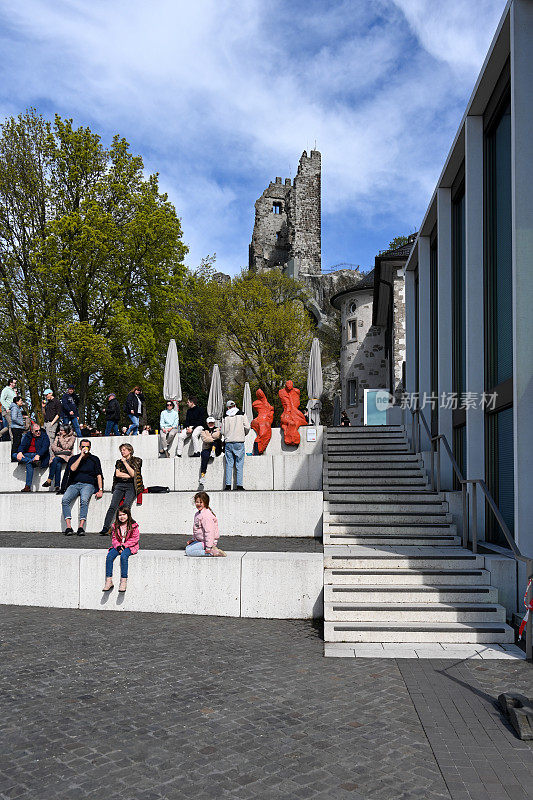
[351, 392]
[277, 208]
[434, 331]
[353, 307]
[352, 330]
[459, 325]
[499, 316]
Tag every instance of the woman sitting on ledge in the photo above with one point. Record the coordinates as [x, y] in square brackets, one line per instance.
[124, 543]
[204, 530]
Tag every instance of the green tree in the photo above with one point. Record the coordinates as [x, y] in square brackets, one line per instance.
[267, 329]
[91, 261]
[398, 241]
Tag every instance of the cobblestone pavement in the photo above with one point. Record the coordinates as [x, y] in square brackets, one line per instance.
[153, 706]
[265, 544]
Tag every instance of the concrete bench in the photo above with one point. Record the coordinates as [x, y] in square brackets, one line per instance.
[245, 584]
[249, 513]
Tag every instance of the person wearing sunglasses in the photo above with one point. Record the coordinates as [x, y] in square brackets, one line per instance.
[169, 422]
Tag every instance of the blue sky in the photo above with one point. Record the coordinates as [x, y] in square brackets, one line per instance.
[221, 97]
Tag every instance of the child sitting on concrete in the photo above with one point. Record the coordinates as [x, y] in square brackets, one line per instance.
[204, 530]
[125, 543]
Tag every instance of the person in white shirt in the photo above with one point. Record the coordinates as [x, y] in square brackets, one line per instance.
[235, 426]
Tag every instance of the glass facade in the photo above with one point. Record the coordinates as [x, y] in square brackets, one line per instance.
[434, 333]
[459, 323]
[499, 317]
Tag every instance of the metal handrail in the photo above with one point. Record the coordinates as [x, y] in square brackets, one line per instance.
[435, 442]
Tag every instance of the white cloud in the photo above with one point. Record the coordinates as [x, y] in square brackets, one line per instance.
[221, 97]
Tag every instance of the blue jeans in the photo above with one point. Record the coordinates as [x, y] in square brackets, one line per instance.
[82, 490]
[111, 555]
[27, 459]
[74, 421]
[134, 427]
[195, 549]
[234, 456]
[54, 473]
[111, 427]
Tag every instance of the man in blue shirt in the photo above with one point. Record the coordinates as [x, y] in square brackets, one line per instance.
[83, 478]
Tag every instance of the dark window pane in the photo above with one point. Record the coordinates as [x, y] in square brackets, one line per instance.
[459, 294]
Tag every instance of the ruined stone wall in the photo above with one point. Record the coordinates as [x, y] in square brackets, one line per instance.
[306, 214]
[294, 232]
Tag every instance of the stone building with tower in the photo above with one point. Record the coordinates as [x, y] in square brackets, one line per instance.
[287, 236]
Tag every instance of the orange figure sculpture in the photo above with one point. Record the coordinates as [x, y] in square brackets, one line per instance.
[291, 418]
[262, 424]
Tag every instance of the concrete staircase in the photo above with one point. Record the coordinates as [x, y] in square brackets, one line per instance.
[394, 569]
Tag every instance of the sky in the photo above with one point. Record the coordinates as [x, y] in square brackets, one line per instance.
[221, 97]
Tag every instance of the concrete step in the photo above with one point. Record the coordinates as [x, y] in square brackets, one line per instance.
[387, 498]
[391, 428]
[374, 518]
[413, 612]
[409, 593]
[438, 539]
[407, 577]
[374, 459]
[367, 447]
[355, 529]
[360, 439]
[418, 632]
[367, 557]
[383, 483]
[346, 473]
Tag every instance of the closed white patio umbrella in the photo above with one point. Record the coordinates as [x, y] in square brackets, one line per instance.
[171, 380]
[215, 402]
[315, 384]
[247, 402]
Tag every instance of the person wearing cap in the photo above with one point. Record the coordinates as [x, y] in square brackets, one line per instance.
[235, 426]
[52, 413]
[194, 425]
[69, 410]
[169, 423]
[112, 415]
[211, 442]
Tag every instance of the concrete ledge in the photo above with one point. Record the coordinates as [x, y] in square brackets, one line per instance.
[266, 585]
[239, 513]
[300, 472]
[36, 577]
[106, 447]
[282, 585]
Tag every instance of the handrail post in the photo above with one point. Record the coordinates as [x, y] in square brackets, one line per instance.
[432, 443]
[474, 517]
[465, 514]
[529, 638]
[438, 465]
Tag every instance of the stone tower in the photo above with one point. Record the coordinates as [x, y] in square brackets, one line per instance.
[287, 229]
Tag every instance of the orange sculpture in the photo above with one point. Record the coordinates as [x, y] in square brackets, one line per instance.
[262, 424]
[291, 418]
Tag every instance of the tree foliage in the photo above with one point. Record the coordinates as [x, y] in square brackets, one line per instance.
[91, 262]
[398, 241]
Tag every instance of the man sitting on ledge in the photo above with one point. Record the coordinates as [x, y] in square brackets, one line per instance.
[34, 451]
[83, 477]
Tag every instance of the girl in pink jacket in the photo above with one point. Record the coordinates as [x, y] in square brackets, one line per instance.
[204, 530]
[124, 542]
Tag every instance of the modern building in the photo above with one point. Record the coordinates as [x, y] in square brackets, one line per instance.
[469, 287]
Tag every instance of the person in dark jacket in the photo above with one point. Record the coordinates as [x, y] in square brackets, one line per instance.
[112, 415]
[34, 451]
[194, 425]
[345, 420]
[69, 410]
[134, 409]
[52, 414]
[82, 478]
